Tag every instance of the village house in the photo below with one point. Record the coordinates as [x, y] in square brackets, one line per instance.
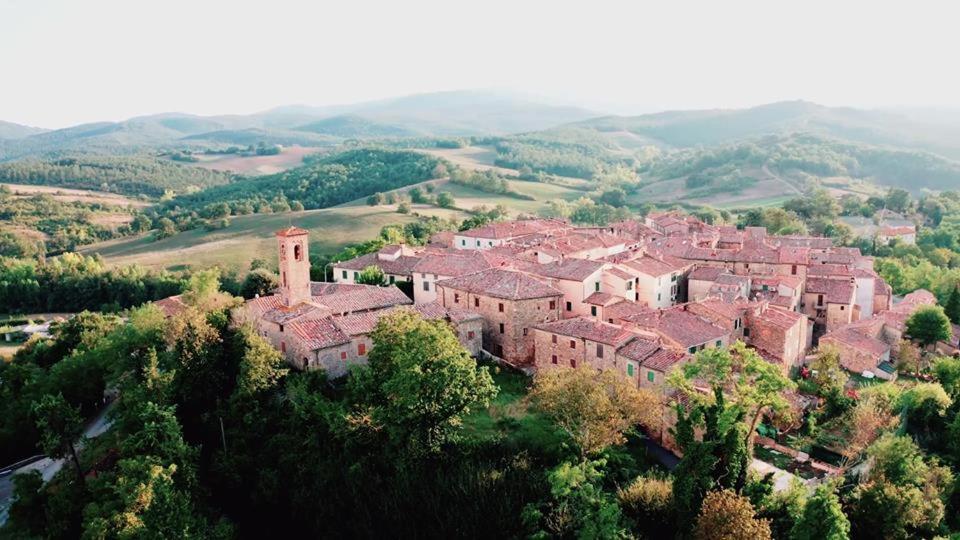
[577, 279]
[511, 304]
[497, 234]
[906, 234]
[657, 282]
[830, 301]
[327, 325]
[395, 261]
[432, 268]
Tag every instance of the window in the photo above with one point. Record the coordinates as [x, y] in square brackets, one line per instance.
[793, 270]
[500, 307]
[501, 328]
[361, 349]
[297, 253]
[553, 359]
[281, 327]
[393, 279]
[569, 306]
[629, 285]
[426, 285]
[284, 279]
[306, 363]
[746, 266]
[765, 288]
[841, 308]
[737, 323]
[553, 338]
[673, 278]
[599, 350]
[476, 302]
[596, 286]
[490, 244]
[573, 362]
[651, 376]
[819, 299]
[746, 332]
[573, 344]
[356, 275]
[553, 304]
[471, 334]
[463, 242]
[658, 297]
[478, 243]
[283, 346]
[692, 350]
[343, 355]
[524, 331]
[456, 298]
[593, 310]
[630, 370]
[610, 321]
[344, 274]
[719, 343]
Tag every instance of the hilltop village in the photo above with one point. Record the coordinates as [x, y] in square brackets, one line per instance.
[637, 296]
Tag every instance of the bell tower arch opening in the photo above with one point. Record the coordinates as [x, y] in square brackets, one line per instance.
[294, 263]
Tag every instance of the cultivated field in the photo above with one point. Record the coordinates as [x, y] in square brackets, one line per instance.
[69, 195]
[291, 156]
[471, 157]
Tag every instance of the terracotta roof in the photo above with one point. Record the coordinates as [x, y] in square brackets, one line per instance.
[650, 266]
[707, 273]
[855, 337]
[513, 229]
[834, 291]
[780, 318]
[319, 333]
[256, 307]
[589, 329]
[450, 265]
[283, 314]
[622, 309]
[829, 270]
[681, 326]
[501, 283]
[639, 349]
[291, 231]
[401, 266]
[663, 359]
[567, 269]
[897, 230]
[171, 306]
[347, 298]
[602, 299]
[620, 273]
[793, 255]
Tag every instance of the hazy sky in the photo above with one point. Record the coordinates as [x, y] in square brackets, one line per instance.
[69, 61]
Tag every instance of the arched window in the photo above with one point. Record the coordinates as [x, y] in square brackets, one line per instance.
[297, 255]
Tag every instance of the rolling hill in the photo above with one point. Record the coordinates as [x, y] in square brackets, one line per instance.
[459, 113]
[718, 126]
[9, 130]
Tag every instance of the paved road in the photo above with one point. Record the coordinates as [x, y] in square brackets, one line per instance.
[49, 467]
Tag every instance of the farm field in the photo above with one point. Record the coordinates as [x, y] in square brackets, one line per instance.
[291, 156]
[480, 158]
[70, 195]
[251, 237]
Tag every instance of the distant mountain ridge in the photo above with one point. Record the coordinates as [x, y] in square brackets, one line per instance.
[10, 130]
[718, 126]
[459, 113]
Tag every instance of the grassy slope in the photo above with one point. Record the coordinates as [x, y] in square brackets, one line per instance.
[250, 237]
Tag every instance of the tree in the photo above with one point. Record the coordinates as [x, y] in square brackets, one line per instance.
[60, 428]
[403, 207]
[420, 382]
[904, 495]
[897, 200]
[417, 196]
[952, 307]
[372, 275]
[908, 357]
[259, 282]
[445, 200]
[594, 409]
[578, 505]
[928, 325]
[828, 373]
[756, 386]
[823, 517]
[648, 503]
[376, 199]
[728, 516]
[261, 366]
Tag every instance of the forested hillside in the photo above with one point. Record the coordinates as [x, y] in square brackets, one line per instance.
[324, 182]
[133, 176]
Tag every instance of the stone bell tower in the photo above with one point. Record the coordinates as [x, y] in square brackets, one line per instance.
[294, 266]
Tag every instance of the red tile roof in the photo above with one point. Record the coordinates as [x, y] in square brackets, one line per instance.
[650, 266]
[401, 266]
[450, 265]
[602, 299]
[291, 231]
[681, 326]
[513, 229]
[663, 360]
[589, 329]
[834, 291]
[707, 273]
[639, 349]
[566, 269]
[171, 306]
[362, 298]
[319, 333]
[501, 283]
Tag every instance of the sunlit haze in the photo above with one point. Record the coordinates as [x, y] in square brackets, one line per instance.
[70, 62]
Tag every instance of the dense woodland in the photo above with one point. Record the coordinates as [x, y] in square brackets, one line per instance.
[132, 176]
